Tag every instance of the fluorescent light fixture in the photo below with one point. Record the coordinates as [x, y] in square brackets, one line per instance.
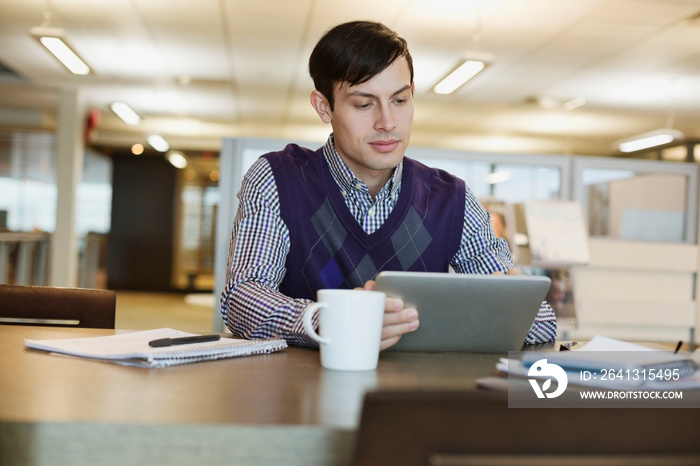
[177, 159]
[574, 103]
[52, 39]
[158, 143]
[469, 68]
[552, 103]
[648, 140]
[126, 113]
[548, 103]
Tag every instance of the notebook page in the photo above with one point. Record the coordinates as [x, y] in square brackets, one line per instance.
[133, 347]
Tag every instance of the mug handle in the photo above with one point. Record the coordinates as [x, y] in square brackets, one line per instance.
[309, 326]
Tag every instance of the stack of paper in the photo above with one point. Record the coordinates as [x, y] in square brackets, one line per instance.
[132, 349]
[609, 364]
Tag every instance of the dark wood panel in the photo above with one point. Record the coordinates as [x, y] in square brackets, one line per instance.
[141, 237]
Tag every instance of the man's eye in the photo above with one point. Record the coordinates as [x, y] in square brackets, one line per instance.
[362, 106]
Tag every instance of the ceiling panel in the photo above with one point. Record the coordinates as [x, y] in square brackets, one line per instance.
[199, 71]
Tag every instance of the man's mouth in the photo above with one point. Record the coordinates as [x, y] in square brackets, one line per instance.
[385, 145]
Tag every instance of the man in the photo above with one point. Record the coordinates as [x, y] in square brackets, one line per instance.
[335, 217]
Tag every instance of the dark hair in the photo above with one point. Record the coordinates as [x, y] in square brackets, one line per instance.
[354, 53]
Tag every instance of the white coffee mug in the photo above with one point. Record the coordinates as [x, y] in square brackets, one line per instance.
[350, 324]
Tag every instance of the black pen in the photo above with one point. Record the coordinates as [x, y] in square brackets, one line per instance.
[678, 346]
[182, 340]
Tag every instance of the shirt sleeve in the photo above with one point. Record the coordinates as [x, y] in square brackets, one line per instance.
[481, 252]
[251, 304]
[544, 328]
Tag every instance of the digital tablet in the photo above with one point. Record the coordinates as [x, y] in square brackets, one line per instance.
[466, 313]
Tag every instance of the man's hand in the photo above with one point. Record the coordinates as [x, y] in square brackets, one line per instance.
[397, 320]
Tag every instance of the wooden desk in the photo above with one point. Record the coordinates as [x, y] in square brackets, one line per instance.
[281, 408]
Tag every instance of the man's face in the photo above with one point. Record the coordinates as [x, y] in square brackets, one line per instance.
[372, 123]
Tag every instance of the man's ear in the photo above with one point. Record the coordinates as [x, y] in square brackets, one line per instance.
[322, 107]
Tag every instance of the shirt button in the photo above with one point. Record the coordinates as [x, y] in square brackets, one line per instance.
[370, 212]
[358, 185]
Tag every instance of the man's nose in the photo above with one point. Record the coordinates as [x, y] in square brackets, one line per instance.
[385, 119]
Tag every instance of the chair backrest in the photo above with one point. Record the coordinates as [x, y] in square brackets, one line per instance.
[57, 307]
[471, 427]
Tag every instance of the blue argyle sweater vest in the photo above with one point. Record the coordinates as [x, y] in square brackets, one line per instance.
[329, 249]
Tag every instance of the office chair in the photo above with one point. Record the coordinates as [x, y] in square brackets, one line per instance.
[57, 307]
[476, 427]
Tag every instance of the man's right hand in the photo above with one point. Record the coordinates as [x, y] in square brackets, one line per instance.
[398, 320]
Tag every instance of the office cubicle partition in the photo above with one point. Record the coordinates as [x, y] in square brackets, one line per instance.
[643, 276]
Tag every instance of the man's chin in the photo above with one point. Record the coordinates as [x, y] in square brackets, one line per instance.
[388, 161]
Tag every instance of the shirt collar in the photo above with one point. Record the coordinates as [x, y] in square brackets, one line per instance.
[347, 180]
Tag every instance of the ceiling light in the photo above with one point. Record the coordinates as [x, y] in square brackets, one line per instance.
[52, 39]
[126, 113]
[177, 159]
[648, 140]
[158, 143]
[469, 68]
[574, 103]
[552, 103]
[548, 103]
[137, 149]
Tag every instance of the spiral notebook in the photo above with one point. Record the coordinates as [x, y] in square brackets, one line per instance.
[132, 348]
[610, 354]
